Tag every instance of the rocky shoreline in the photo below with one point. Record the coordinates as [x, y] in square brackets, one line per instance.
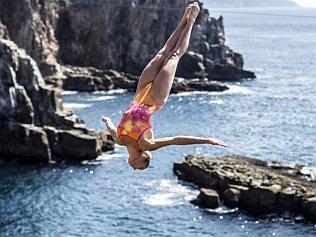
[88, 79]
[34, 127]
[250, 185]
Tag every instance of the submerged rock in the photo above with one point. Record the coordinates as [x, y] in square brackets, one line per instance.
[34, 127]
[252, 184]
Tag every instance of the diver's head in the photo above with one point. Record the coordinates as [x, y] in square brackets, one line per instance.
[139, 160]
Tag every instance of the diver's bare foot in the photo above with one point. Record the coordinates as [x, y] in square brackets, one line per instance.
[194, 12]
[186, 14]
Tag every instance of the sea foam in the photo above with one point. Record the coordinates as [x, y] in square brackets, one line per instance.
[76, 106]
[168, 193]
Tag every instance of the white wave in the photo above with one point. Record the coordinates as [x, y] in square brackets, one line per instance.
[219, 102]
[238, 90]
[69, 92]
[109, 92]
[233, 89]
[168, 193]
[108, 156]
[102, 98]
[189, 93]
[258, 70]
[222, 210]
[309, 171]
[76, 106]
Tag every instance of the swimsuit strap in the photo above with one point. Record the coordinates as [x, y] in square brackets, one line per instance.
[141, 136]
[136, 141]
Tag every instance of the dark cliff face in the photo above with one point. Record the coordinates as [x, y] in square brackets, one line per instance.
[125, 37]
[33, 125]
[3, 31]
[116, 34]
[31, 25]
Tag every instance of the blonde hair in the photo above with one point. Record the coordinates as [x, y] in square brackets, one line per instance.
[144, 158]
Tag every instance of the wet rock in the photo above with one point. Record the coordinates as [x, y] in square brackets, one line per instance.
[73, 145]
[93, 79]
[252, 185]
[259, 200]
[207, 198]
[25, 142]
[231, 197]
[28, 105]
[106, 140]
[309, 208]
[228, 73]
[191, 65]
[85, 80]
[182, 85]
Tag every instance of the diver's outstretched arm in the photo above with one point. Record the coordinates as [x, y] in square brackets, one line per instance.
[183, 140]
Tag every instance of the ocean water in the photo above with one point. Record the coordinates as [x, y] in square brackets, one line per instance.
[270, 118]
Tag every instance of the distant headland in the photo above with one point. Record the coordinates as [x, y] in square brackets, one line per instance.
[248, 3]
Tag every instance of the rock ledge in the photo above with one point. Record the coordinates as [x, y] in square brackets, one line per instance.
[252, 185]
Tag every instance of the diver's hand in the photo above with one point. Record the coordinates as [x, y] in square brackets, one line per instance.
[106, 119]
[216, 142]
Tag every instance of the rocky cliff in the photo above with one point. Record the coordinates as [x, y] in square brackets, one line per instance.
[34, 127]
[124, 37]
[31, 25]
[121, 35]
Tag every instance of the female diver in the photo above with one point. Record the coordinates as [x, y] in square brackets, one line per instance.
[135, 130]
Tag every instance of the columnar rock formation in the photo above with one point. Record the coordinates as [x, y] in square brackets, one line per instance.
[33, 125]
[250, 184]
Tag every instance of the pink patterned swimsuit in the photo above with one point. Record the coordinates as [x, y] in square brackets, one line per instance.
[137, 118]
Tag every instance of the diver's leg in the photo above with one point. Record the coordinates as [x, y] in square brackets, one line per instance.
[154, 66]
[163, 82]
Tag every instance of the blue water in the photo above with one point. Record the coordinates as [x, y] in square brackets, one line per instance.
[271, 118]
